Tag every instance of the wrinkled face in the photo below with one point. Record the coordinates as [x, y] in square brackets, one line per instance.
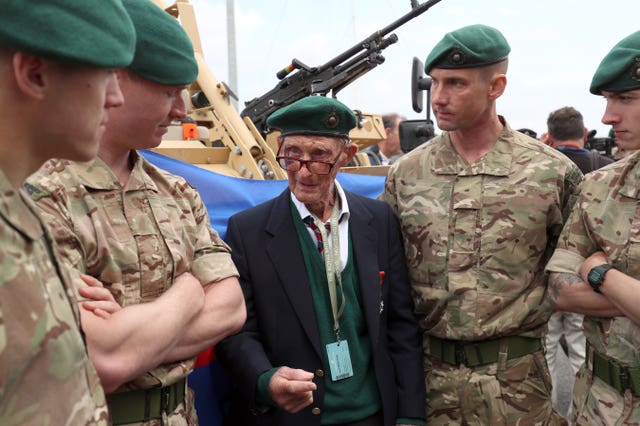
[459, 97]
[310, 188]
[623, 114]
[79, 105]
[148, 111]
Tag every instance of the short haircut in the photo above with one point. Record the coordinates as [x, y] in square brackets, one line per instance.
[565, 124]
[389, 120]
[488, 71]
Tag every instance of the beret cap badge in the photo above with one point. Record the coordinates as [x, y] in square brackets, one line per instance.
[635, 70]
[457, 56]
[332, 120]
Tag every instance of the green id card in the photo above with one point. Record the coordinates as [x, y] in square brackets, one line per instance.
[339, 360]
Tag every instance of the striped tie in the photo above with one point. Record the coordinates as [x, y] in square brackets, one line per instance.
[312, 224]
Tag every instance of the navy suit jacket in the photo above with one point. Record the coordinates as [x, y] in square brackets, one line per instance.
[281, 327]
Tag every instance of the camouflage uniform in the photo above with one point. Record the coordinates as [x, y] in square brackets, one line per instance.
[135, 239]
[477, 237]
[45, 373]
[607, 218]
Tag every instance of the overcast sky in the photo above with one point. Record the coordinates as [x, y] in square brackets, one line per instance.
[556, 47]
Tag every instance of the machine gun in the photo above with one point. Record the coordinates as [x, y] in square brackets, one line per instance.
[603, 145]
[330, 77]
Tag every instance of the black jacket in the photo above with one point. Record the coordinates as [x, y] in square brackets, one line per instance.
[281, 324]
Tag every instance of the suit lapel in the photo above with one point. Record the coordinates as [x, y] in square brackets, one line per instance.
[364, 238]
[285, 252]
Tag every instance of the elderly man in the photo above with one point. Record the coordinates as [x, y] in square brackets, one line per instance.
[330, 337]
[144, 234]
[55, 93]
[595, 269]
[481, 207]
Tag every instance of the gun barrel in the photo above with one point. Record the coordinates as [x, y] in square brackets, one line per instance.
[379, 35]
[419, 10]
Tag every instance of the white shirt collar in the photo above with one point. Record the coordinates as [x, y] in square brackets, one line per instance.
[344, 206]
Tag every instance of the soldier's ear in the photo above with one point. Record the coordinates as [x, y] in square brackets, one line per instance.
[497, 85]
[31, 74]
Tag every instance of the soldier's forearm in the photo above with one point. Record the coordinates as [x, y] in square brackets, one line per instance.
[624, 293]
[568, 292]
[137, 338]
[224, 313]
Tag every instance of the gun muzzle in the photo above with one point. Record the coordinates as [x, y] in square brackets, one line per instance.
[285, 71]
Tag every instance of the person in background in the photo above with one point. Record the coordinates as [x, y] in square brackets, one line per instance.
[144, 235]
[566, 133]
[595, 269]
[330, 337]
[480, 207]
[57, 86]
[387, 150]
[529, 132]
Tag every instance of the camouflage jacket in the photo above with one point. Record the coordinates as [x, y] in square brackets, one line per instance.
[477, 236]
[45, 373]
[135, 239]
[607, 218]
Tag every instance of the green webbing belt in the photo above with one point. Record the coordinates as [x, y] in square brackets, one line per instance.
[145, 404]
[473, 354]
[614, 374]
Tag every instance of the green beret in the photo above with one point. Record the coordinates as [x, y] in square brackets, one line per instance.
[619, 71]
[314, 115]
[164, 52]
[91, 32]
[468, 47]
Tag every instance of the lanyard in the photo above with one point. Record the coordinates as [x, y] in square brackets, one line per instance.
[332, 266]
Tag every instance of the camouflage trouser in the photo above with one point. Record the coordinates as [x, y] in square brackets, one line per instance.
[513, 392]
[597, 403]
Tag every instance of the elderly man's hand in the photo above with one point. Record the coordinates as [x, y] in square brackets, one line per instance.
[292, 389]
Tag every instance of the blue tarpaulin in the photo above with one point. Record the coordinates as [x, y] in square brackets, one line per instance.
[223, 196]
[226, 195]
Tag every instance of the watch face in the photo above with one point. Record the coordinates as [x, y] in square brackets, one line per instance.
[594, 276]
